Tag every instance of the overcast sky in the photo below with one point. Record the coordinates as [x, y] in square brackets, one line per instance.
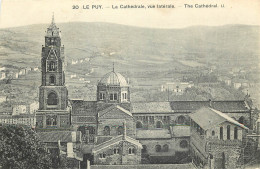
[23, 12]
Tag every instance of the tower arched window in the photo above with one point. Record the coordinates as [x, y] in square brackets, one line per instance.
[159, 125]
[106, 130]
[52, 66]
[52, 99]
[52, 80]
[228, 132]
[139, 125]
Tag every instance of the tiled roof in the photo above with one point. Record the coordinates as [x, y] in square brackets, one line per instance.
[189, 106]
[152, 134]
[151, 107]
[145, 166]
[208, 117]
[81, 107]
[116, 140]
[114, 109]
[63, 136]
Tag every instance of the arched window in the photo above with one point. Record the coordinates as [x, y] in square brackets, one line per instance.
[181, 120]
[235, 133]
[159, 125]
[241, 120]
[184, 144]
[165, 148]
[120, 130]
[52, 99]
[131, 150]
[106, 130]
[51, 120]
[221, 133]
[228, 132]
[213, 133]
[52, 66]
[158, 148]
[52, 79]
[144, 150]
[139, 125]
[116, 150]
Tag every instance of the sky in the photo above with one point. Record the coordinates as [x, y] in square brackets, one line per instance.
[16, 13]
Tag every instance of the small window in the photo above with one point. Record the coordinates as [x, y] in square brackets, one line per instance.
[52, 66]
[113, 96]
[120, 130]
[228, 132]
[139, 125]
[131, 150]
[116, 150]
[158, 148]
[184, 144]
[52, 80]
[181, 120]
[165, 148]
[235, 133]
[106, 130]
[101, 96]
[159, 125]
[213, 133]
[103, 155]
[221, 133]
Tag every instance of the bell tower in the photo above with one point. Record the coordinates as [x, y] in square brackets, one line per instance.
[53, 94]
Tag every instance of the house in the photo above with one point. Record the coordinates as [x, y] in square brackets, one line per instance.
[176, 87]
[217, 140]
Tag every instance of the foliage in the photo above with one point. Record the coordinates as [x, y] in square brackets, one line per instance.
[20, 148]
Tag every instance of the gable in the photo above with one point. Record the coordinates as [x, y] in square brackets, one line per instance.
[115, 112]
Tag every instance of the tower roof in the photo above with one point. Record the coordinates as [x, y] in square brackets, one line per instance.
[113, 78]
[53, 30]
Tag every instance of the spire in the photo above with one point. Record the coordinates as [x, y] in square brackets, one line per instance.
[52, 21]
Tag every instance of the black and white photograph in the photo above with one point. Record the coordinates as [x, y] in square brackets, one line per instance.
[129, 84]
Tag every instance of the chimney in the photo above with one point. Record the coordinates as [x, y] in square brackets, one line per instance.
[124, 126]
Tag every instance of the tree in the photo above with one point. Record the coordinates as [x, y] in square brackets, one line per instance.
[20, 148]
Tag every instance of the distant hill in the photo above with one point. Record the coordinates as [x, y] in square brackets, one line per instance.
[137, 51]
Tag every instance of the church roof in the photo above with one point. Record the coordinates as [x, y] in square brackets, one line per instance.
[52, 30]
[115, 140]
[116, 109]
[207, 117]
[189, 106]
[63, 136]
[153, 134]
[113, 78]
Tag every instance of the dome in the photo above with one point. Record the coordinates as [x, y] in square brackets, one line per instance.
[113, 78]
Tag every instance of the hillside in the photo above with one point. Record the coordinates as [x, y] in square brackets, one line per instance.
[136, 49]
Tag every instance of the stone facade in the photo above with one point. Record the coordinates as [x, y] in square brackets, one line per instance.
[53, 95]
[218, 143]
[121, 152]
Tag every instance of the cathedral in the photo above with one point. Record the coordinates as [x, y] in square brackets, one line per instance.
[113, 130]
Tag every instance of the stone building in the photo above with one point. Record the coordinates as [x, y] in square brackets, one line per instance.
[153, 132]
[53, 95]
[217, 140]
